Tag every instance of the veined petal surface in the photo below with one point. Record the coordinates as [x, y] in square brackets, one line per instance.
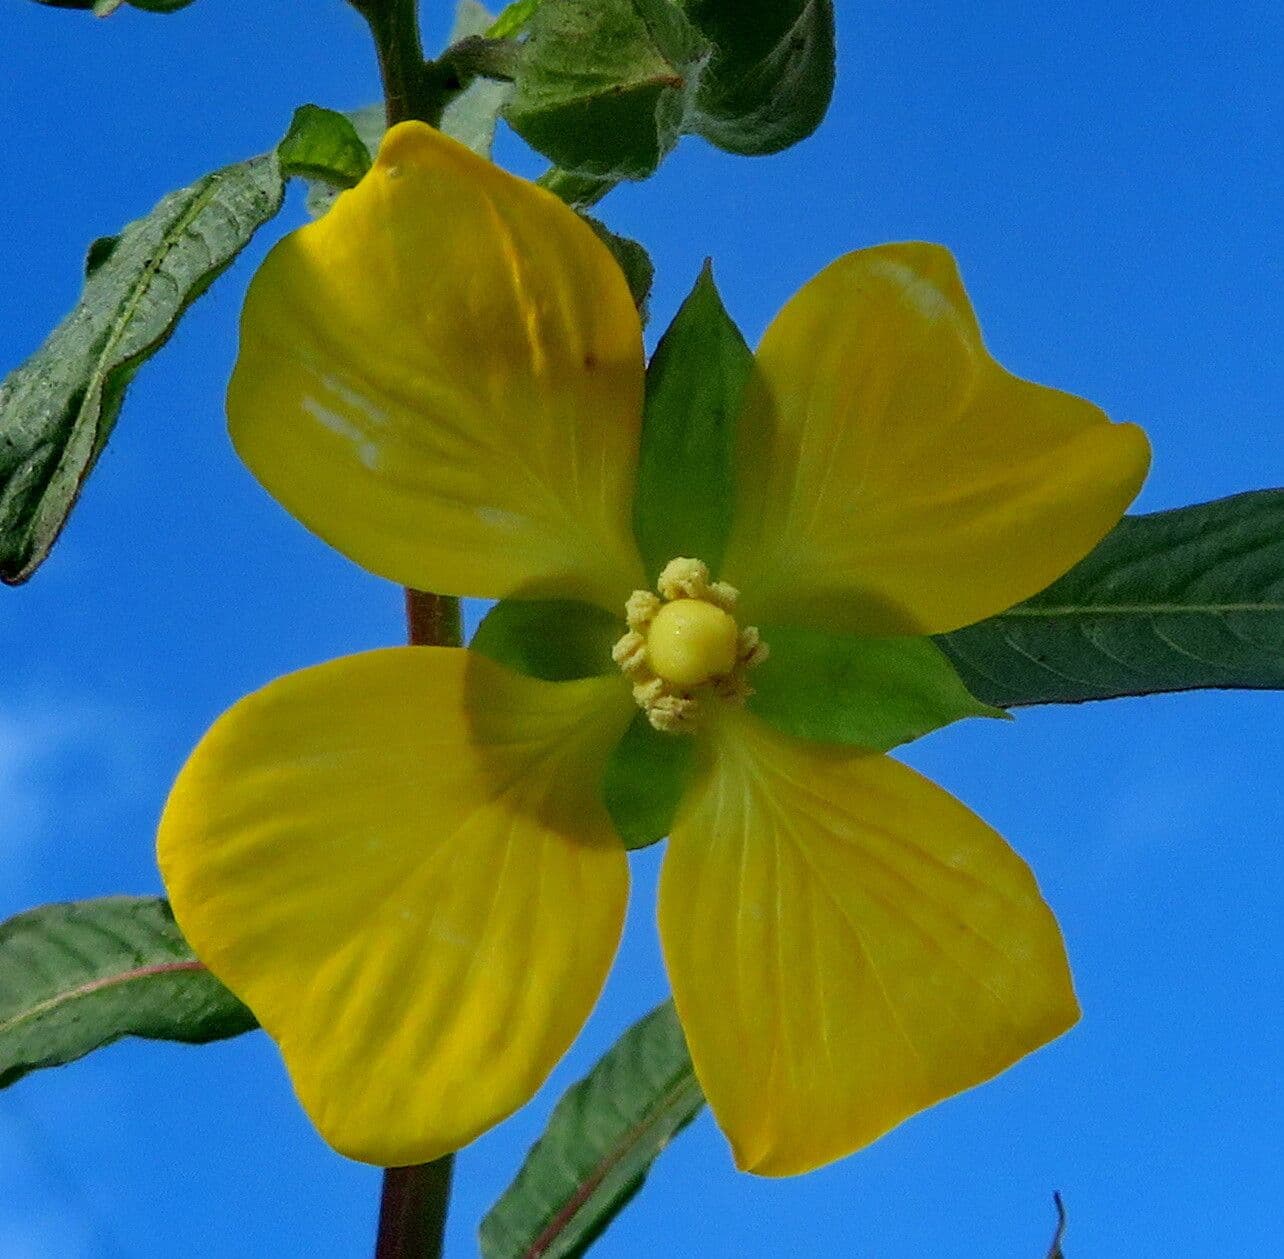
[400, 862]
[896, 479]
[847, 944]
[443, 378]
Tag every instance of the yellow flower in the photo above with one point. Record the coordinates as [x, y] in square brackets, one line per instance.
[402, 860]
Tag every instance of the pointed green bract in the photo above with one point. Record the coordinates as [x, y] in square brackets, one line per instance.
[694, 383]
[644, 782]
[603, 85]
[324, 145]
[771, 77]
[75, 977]
[557, 640]
[874, 693]
[1179, 600]
[600, 1143]
[58, 409]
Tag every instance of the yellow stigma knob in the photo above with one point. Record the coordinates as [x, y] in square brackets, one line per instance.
[691, 641]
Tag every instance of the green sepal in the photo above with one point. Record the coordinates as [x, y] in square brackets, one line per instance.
[557, 640]
[323, 145]
[694, 383]
[771, 77]
[645, 778]
[634, 261]
[602, 86]
[873, 693]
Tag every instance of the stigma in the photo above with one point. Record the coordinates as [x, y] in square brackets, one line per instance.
[684, 647]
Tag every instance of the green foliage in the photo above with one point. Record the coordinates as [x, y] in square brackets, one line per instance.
[645, 778]
[603, 86]
[599, 1145]
[634, 261]
[872, 692]
[771, 78]
[471, 117]
[685, 492]
[58, 409]
[1175, 601]
[75, 977]
[606, 87]
[511, 21]
[554, 639]
[323, 145]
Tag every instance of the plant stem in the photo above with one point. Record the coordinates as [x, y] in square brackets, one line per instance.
[408, 91]
[412, 1208]
[412, 1212]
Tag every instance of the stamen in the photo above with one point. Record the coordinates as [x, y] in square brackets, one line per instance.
[683, 647]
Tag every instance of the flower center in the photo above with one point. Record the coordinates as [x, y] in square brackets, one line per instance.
[684, 647]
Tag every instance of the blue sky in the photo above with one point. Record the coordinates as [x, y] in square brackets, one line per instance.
[1111, 184]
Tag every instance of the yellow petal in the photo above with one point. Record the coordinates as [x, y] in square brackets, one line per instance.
[895, 478]
[400, 862]
[847, 945]
[443, 378]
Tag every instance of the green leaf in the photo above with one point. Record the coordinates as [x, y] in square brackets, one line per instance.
[558, 640]
[694, 383]
[511, 21]
[602, 88]
[58, 409]
[576, 190]
[323, 145]
[1175, 601]
[369, 122]
[599, 1145]
[471, 117]
[874, 693]
[646, 777]
[75, 977]
[771, 77]
[606, 87]
[635, 262]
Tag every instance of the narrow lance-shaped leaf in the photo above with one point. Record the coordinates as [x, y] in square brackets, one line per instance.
[1178, 600]
[75, 977]
[600, 1143]
[58, 409]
